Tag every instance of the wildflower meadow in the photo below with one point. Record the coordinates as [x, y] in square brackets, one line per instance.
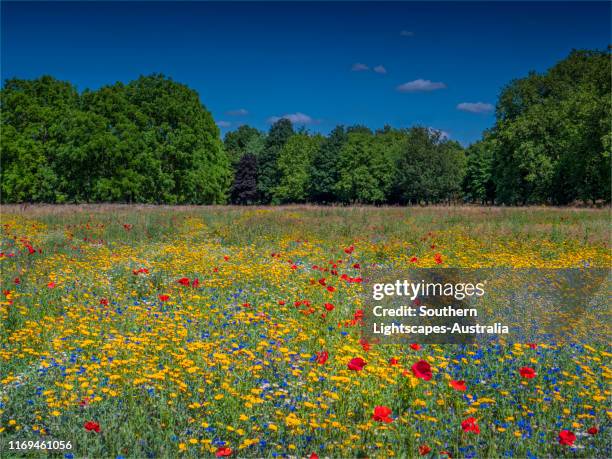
[135, 331]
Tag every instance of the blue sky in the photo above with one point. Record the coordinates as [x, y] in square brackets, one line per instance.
[437, 64]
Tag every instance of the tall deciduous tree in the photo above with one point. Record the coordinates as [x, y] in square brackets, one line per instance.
[294, 165]
[551, 134]
[34, 115]
[324, 170]
[269, 175]
[430, 168]
[478, 182]
[148, 141]
[362, 169]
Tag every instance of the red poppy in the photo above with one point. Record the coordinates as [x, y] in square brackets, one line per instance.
[567, 438]
[357, 317]
[322, 281]
[322, 357]
[51, 284]
[127, 226]
[393, 361]
[527, 372]
[226, 257]
[195, 283]
[532, 345]
[17, 281]
[593, 430]
[313, 456]
[458, 385]
[415, 346]
[381, 414]
[163, 298]
[183, 281]
[424, 450]
[104, 302]
[364, 344]
[331, 288]
[446, 453]
[281, 302]
[223, 451]
[91, 426]
[357, 266]
[356, 364]
[414, 260]
[422, 369]
[438, 258]
[349, 250]
[470, 425]
[329, 306]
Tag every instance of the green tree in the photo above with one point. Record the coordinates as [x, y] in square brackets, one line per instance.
[185, 138]
[148, 141]
[478, 185]
[128, 168]
[362, 169]
[429, 169]
[245, 139]
[324, 172]
[33, 129]
[551, 134]
[294, 166]
[269, 175]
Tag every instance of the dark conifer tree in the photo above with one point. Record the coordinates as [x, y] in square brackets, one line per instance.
[244, 188]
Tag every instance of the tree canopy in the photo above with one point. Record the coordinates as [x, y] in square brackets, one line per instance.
[153, 141]
[148, 141]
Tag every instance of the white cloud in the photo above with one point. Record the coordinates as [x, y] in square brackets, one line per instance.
[237, 112]
[380, 69]
[295, 118]
[475, 107]
[407, 33]
[223, 124]
[443, 134]
[421, 85]
[359, 67]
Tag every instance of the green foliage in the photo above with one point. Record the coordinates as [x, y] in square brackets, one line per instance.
[552, 134]
[324, 172]
[294, 165]
[33, 115]
[245, 139]
[269, 174]
[152, 141]
[148, 141]
[430, 168]
[363, 169]
[478, 182]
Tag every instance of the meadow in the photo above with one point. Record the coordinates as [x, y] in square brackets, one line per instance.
[135, 331]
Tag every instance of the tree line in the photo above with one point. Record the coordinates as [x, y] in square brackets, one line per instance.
[350, 165]
[152, 141]
[149, 141]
